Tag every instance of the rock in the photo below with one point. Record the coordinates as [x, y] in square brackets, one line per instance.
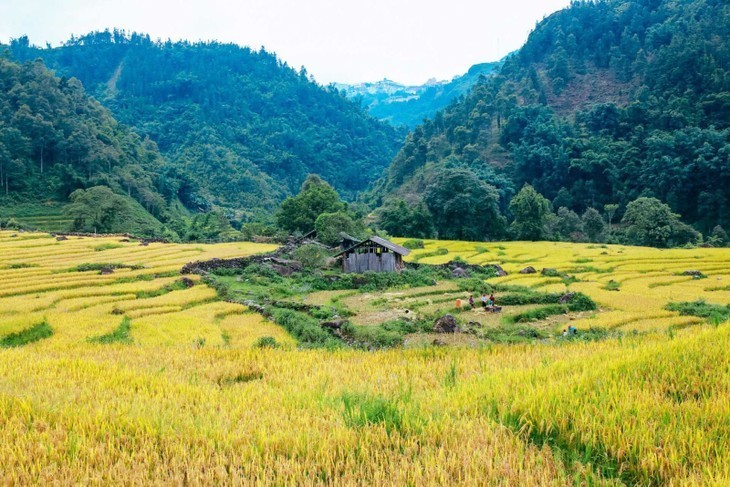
[528, 270]
[692, 273]
[124, 240]
[437, 342]
[446, 324]
[61, 238]
[459, 273]
[333, 325]
[187, 282]
[500, 272]
[106, 271]
[566, 298]
[144, 243]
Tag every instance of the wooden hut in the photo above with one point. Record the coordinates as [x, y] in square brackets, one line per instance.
[374, 254]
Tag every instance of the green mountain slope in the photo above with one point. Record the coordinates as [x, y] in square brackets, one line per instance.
[607, 101]
[55, 140]
[242, 124]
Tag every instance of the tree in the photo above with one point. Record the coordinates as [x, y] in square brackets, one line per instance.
[299, 213]
[530, 210]
[568, 225]
[330, 225]
[95, 209]
[610, 210]
[464, 207]
[719, 237]
[400, 220]
[652, 223]
[593, 224]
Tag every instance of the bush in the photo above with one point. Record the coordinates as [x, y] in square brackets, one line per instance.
[33, 334]
[413, 244]
[266, 342]
[311, 256]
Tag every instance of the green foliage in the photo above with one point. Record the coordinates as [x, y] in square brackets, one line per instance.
[329, 226]
[401, 220]
[267, 342]
[121, 334]
[719, 237]
[463, 207]
[530, 210]
[240, 128]
[606, 102]
[33, 334]
[363, 411]
[304, 328]
[715, 313]
[651, 222]
[100, 210]
[100, 266]
[413, 244]
[300, 212]
[567, 225]
[311, 256]
[593, 224]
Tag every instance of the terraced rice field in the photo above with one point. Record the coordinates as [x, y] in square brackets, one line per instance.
[144, 380]
[646, 279]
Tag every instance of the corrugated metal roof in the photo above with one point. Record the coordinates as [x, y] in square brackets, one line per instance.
[383, 243]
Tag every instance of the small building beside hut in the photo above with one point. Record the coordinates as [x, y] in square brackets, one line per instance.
[374, 254]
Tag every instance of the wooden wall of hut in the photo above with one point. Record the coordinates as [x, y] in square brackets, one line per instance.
[371, 261]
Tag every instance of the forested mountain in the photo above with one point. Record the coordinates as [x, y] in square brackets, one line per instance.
[241, 124]
[401, 105]
[606, 102]
[55, 140]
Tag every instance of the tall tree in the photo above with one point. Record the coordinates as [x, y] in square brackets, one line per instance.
[530, 210]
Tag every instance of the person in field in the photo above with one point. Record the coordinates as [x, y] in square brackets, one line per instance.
[471, 301]
[484, 301]
[491, 300]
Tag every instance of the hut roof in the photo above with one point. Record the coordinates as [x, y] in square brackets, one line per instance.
[379, 241]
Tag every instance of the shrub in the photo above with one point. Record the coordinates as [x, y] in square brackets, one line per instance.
[311, 256]
[266, 342]
[413, 244]
[362, 410]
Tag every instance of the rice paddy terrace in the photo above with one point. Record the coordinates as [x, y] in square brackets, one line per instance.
[115, 368]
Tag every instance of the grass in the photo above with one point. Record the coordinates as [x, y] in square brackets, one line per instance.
[107, 246]
[362, 410]
[33, 334]
[121, 334]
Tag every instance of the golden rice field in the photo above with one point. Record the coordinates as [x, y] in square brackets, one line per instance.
[188, 399]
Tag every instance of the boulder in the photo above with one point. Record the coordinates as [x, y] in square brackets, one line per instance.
[106, 271]
[437, 342]
[446, 324]
[566, 298]
[692, 273]
[333, 324]
[528, 270]
[459, 273]
[187, 282]
[61, 238]
[500, 272]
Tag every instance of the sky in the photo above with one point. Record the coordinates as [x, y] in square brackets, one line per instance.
[409, 41]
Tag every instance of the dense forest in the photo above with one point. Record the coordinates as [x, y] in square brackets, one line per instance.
[240, 125]
[55, 141]
[607, 102]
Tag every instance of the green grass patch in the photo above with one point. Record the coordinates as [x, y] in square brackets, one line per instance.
[107, 246]
[33, 334]
[121, 334]
[99, 266]
[362, 410]
[713, 313]
[435, 253]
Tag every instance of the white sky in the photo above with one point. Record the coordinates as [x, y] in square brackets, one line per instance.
[408, 41]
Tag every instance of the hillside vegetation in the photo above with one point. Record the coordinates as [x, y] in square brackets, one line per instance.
[606, 102]
[238, 126]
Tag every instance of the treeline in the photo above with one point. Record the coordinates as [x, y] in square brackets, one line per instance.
[239, 126]
[607, 102]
